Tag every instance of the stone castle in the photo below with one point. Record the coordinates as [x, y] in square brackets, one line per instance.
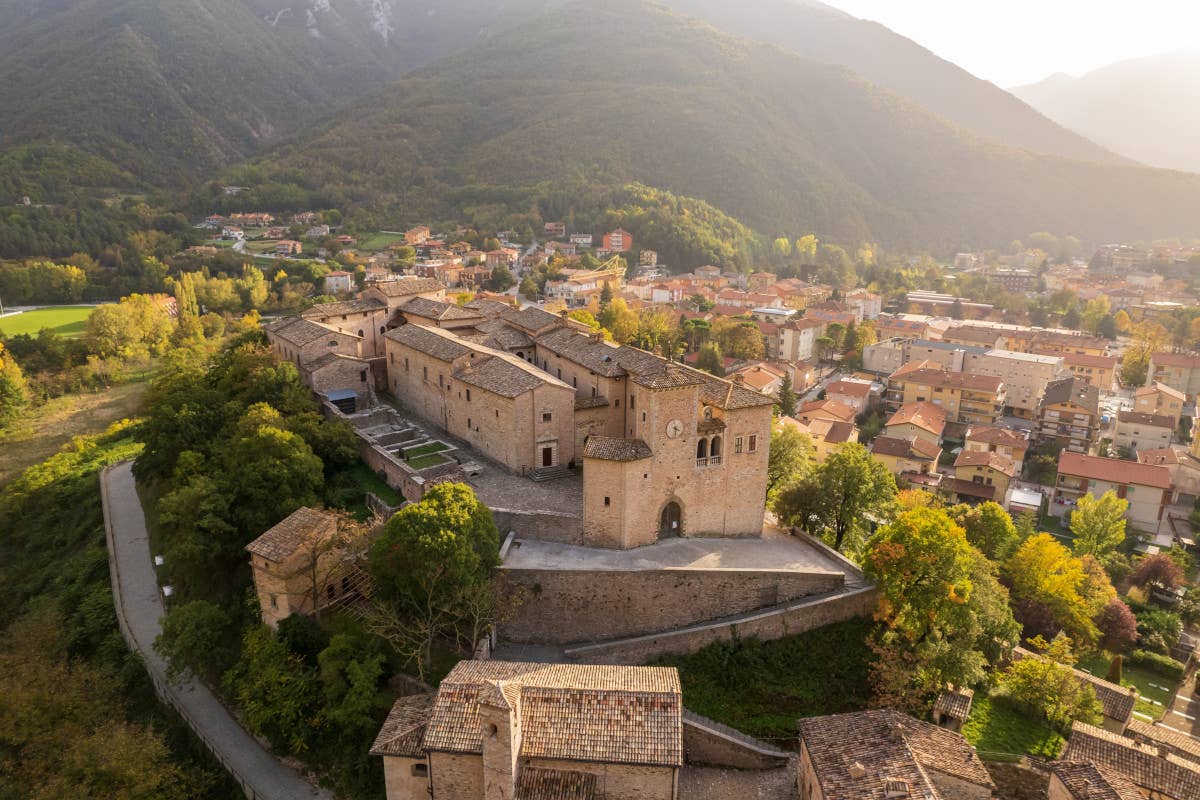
[665, 450]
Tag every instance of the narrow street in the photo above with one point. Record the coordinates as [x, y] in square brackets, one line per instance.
[140, 607]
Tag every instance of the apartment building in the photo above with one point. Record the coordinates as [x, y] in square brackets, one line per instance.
[1070, 414]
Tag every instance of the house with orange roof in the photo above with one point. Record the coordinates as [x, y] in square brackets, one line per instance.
[833, 410]
[1180, 371]
[917, 421]
[1147, 487]
[859, 395]
[918, 456]
[1159, 398]
[761, 377]
[993, 439]
[828, 436]
[986, 469]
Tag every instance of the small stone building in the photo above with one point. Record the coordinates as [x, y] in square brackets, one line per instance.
[287, 559]
[1160, 774]
[951, 709]
[499, 730]
[880, 755]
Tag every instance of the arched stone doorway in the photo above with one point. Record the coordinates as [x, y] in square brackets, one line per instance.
[671, 521]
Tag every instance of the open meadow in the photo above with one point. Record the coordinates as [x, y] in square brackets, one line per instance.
[63, 320]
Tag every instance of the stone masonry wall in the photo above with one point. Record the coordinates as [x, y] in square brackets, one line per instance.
[566, 606]
[547, 526]
[770, 624]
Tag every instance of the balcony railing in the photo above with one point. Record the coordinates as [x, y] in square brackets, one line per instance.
[711, 461]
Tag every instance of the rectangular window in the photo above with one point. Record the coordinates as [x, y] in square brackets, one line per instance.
[737, 445]
[632, 405]
[546, 416]
[468, 395]
[425, 373]
[468, 423]
[574, 381]
[643, 416]
[607, 501]
[440, 379]
[406, 364]
[616, 403]
[752, 445]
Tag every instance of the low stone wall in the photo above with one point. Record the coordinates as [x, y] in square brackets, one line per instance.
[571, 606]
[708, 743]
[548, 526]
[774, 623]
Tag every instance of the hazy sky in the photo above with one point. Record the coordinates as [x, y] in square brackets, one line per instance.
[1012, 42]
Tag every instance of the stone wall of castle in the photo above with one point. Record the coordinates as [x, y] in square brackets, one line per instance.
[804, 615]
[571, 606]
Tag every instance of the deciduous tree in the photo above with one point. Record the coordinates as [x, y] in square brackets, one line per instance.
[1118, 627]
[989, 528]
[1098, 524]
[1048, 687]
[836, 499]
[790, 458]
[1157, 570]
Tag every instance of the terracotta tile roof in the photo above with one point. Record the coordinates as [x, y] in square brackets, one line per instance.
[403, 731]
[849, 388]
[1185, 360]
[1167, 776]
[438, 309]
[300, 331]
[1115, 701]
[990, 434]
[1142, 418]
[973, 333]
[531, 319]
[924, 415]
[407, 286]
[327, 310]
[1086, 360]
[331, 358]
[590, 402]
[955, 703]
[826, 408]
[954, 380]
[627, 715]
[502, 336]
[611, 448]
[902, 448]
[1165, 456]
[1084, 780]
[978, 458]
[670, 377]
[487, 306]
[554, 784]
[1156, 388]
[430, 341]
[1074, 391]
[501, 376]
[1181, 744]
[887, 746]
[1112, 470]
[289, 534]
[966, 488]
[598, 356]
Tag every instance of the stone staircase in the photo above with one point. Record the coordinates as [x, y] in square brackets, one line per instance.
[542, 474]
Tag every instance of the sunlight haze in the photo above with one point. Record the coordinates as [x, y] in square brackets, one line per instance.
[1024, 41]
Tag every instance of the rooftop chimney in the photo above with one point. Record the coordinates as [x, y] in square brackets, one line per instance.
[857, 770]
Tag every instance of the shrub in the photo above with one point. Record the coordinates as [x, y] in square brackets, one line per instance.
[1159, 630]
[1156, 662]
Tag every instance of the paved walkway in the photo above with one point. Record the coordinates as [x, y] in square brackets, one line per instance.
[140, 611]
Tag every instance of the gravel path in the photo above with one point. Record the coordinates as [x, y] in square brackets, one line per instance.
[140, 611]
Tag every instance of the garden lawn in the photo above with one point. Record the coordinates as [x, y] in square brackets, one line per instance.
[64, 320]
[424, 450]
[430, 460]
[1155, 690]
[997, 727]
[762, 688]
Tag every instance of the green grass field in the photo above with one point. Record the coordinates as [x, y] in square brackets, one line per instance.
[996, 727]
[379, 241]
[63, 320]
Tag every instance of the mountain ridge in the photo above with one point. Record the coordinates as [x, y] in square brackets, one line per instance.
[781, 143]
[1156, 97]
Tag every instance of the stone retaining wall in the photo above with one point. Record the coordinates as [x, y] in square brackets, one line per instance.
[775, 623]
[565, 606]
[547, 526]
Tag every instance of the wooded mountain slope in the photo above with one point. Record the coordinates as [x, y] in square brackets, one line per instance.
[822, 33]
[784, 144]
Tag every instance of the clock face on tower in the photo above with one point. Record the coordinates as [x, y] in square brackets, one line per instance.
[674, 429]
